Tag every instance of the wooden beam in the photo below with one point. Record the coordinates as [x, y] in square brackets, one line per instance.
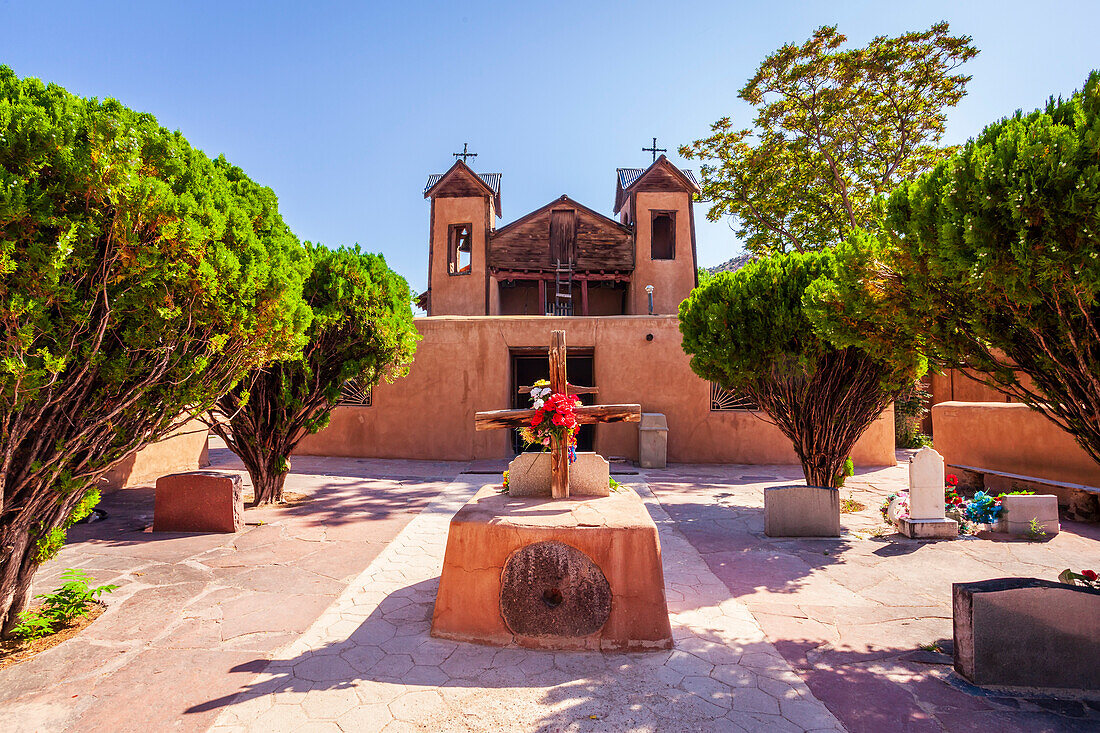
[542, 298]
[573, 389]
[586, 415]
[558, 381]
[584, 296]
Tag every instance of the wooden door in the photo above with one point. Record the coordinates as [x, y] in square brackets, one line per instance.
[563, 236]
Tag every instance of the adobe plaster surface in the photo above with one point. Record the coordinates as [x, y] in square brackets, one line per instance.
[614, 533]
[1011, 438]
[467, 359]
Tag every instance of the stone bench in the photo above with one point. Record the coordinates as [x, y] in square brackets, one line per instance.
[1079, 500]
[199, 501]
[1025, 632]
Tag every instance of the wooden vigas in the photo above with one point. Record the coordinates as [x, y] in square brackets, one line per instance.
[586, 414]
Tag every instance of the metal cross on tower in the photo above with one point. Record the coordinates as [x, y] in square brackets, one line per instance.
[654, 150]
[466, 154]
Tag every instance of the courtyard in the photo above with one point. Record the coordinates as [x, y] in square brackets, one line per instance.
[317, 617]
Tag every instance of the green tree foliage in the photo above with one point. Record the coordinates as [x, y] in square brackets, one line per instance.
[139, 280]
[834, 129]
[748, 331]
[362, 331]
[991, 262]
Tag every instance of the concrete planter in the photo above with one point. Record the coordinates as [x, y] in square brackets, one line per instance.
[1024, 632]
[801, 511]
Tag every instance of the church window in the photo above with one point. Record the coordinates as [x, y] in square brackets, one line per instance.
[722, 400]
[663, 235]
[460, 244]
[354, 394]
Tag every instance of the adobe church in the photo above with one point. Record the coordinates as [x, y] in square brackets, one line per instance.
[614, 285]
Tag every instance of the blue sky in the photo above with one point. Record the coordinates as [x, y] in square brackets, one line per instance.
[345, 108]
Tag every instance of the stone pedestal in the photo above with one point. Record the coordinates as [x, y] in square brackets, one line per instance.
[653, 440]
[198, 501]
[553, 574]
[1025, 632]
[1018, 510]
[529, 475]
[801, 511]
[929, 529]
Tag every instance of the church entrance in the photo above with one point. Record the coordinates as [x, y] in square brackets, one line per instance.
[531, 365]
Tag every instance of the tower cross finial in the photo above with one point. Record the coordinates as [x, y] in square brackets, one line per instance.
[466, 154]
[654, 150]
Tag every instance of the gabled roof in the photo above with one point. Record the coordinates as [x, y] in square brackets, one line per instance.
[489, 181]
[563, 199]
[628, 178]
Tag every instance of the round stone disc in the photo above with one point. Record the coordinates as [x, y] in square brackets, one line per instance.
[553, 589]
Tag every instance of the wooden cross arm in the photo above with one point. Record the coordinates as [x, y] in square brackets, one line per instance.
[586, 415]
[573, 389]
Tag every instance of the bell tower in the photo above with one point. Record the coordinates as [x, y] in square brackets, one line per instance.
[657, 203]
[465, 206]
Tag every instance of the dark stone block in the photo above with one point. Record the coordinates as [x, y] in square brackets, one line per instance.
[552, 589]
[1025, 632]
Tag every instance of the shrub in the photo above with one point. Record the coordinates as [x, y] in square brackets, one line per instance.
[990, 263]
[362, 331]
[749, 331]
[139, 280]
[71, 601]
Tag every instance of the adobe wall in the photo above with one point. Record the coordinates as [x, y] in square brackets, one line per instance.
[459, 294]
[183, 450]
[1010, 437]
[672, 280]
[462, 366]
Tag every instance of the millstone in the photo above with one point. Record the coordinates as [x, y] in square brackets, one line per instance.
[552, 589]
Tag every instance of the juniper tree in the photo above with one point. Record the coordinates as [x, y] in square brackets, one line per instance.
[362, 331]
[834, 128]
[748, 331]
[139, 280]
[991, 262]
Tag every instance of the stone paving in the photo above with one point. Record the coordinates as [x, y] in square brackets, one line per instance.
[851, 614]
[191, 609]
[368, 664]
[771, 634]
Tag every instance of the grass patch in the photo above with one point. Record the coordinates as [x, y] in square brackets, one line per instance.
[851, 506]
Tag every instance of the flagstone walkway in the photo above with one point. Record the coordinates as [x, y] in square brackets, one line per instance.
[315, 618]
[852, 614]
[368, 664]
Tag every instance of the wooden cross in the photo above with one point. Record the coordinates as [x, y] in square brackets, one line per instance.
[655, 150]
[586, 415]
[464, 155]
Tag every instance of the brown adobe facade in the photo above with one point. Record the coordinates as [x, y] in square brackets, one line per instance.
[564, 258]
[494, 296]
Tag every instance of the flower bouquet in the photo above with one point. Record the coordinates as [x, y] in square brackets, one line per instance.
[555, 419]
[1087, 578]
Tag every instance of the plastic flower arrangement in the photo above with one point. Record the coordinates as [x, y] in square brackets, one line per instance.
[952, 500]
[983, 508]
[554, 418]
[1087, 578]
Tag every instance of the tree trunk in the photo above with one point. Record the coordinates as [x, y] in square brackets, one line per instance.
[268, 479]
[17, 568]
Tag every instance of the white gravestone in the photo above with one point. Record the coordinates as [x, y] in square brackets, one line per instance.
[926, 485]
[927, 519]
